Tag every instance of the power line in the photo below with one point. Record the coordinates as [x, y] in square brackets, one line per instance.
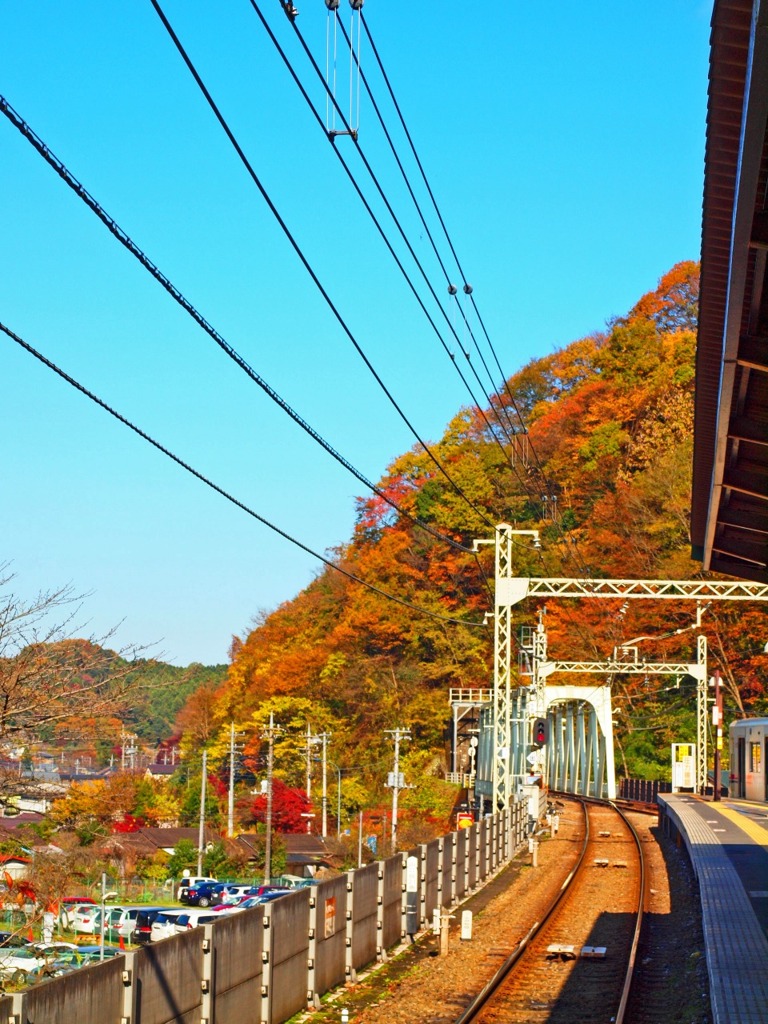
[391, 212]
[220, 490]
[303, 259]
[224, 345]
[452, 291]
[436, 208]
[546, 483]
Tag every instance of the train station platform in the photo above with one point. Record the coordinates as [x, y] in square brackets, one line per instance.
[727, 843]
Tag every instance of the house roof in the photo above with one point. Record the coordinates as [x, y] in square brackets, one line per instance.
[301, 848]
[149, 840]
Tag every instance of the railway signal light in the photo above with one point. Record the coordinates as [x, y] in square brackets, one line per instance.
[540, 732]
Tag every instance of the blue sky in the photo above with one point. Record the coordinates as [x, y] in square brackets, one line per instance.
[564, 145]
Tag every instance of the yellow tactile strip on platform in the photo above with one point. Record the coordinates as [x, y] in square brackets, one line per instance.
[753, 830]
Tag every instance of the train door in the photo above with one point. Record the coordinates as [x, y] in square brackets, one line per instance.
[741, 763]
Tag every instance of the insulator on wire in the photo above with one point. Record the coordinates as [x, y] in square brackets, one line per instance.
[332, 5]
[467, 289]
[356, 5]
[452, 289]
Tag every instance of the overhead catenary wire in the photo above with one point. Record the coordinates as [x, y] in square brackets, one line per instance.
[225, 494]
[226, 347]
[419, 164]
[571, 546]
[353, 134]
[305, 262]
[571, 549]
[452, 291]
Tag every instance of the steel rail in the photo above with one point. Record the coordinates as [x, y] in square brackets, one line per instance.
[619, 1019]
[483, 996]
[485, 993]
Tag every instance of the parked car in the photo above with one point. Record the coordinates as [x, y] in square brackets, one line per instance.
[93, 954]
[190, 880]
[12, 939]
[258, 901]
[84, 919]
[68, 913]
[196, 918]
[164, 925]
[142, 933]
[234, 893]
[261, 890]
[53, 948]
[16, 963]
[120, 922]
[204, 894]
[271, 895]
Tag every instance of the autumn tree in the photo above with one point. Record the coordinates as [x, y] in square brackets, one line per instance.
[45, 674]
[288, 806]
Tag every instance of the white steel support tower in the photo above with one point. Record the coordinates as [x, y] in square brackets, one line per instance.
[502, 661]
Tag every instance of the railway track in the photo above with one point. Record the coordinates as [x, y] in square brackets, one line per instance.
[576, 963]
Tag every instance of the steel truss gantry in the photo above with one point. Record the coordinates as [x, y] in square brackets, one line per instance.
[514, 589]
[510, 590]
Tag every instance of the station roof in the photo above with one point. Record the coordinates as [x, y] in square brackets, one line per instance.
[729, 523]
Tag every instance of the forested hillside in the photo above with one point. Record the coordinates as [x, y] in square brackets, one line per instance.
[592, 446]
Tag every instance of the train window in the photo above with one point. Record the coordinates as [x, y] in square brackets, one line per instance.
[755, 759]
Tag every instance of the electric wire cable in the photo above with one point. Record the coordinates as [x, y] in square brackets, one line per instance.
[337, 109]
[428, 232]
[392, 214]
[375, 51]
[305, 262]
[546, 483]
[230, 135]
[147, 263]
[225, 494]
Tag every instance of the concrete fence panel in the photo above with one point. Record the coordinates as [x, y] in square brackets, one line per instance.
[460, 864]
[483, 850]
[92, 995]
[286, 923]
[362, 916]
[446, 896]
[471, 864]
[430, 870]
[166, 980]
[391, 883]
[328, 917]
[236, 944]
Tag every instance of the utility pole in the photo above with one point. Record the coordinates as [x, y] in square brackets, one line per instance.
[309, 773]
[270, 758]
[231, 802]
[322, 737]
[201, 831]
[399, 734]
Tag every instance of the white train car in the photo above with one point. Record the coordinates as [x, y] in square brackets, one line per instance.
[749, 759]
